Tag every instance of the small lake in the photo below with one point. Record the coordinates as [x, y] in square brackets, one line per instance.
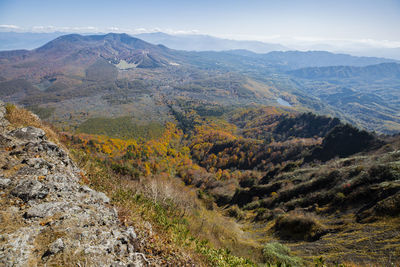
[283, 102]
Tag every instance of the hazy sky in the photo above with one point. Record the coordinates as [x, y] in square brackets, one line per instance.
[369, 21]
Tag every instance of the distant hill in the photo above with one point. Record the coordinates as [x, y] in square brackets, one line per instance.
[387, 52]
[299, 59]
[197, 42]
[369, 95]
[379, 71]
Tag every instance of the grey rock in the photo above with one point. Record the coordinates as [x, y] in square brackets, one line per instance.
[85, 189]
[56, 246]
[89, 226]
[30, 133]
[32, 172]
[100, 196]
[4, 183]
[45, 209]
[30, 189]
[3, 122]
[19, 247]
[5, 141]
[38, 163]
[131, 233]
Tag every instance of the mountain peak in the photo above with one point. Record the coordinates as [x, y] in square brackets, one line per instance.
[118, 36]
[74, 42]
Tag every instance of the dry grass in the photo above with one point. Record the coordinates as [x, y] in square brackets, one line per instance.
[354, 244]
[169, 215]
[134, 202]
[20, 117]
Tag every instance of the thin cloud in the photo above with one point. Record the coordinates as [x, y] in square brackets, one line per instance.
[302, 42]
[91, 29]
[8, 27]
[179, 32]
[50, 28]
[295, 42]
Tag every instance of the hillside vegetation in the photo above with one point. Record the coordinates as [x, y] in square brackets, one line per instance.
[228, 189]
[295, 178]
[224, 158]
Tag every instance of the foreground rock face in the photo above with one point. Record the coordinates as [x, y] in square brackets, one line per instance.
[47, 216]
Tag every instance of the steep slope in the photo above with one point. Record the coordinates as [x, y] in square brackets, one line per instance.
[346, 210]
[47, 215]
[323, 188]
[309, 182]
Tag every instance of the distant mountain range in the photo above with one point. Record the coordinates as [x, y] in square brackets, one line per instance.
[72, 54]
[117, 74]
[101, 56]
[379, 71]
[299, 59]
[189, 42]
[197, 42]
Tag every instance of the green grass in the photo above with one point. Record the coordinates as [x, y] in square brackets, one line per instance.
[121, 127]
[42, 112]
[279, 254]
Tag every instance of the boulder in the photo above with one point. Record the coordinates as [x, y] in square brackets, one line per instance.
[29, 189]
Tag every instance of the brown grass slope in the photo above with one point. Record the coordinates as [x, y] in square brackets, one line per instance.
[346, 210]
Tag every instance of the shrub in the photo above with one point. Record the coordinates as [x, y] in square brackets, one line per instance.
[298, 226]
[247, 181]
[340, 197]
[384, 173]
[263, 214]
[220, 257]
[389, 206]
[235, 212]
[279, 254]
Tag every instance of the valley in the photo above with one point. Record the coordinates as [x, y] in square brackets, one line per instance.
[80, 69]
[227, 158]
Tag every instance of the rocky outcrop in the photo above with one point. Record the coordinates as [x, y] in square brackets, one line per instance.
[47, 216]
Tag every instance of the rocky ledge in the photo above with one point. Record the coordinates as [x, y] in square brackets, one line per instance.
[47, 216]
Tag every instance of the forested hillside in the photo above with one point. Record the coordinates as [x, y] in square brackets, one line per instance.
[295, 178]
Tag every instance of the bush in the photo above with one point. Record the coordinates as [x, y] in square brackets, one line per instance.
[384, 173]
[279, 254]
[263, 214]
[247, 181]
[339, 198]
[297, 226]
[235, 212]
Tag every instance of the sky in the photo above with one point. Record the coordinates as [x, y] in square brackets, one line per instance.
[366, 22]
